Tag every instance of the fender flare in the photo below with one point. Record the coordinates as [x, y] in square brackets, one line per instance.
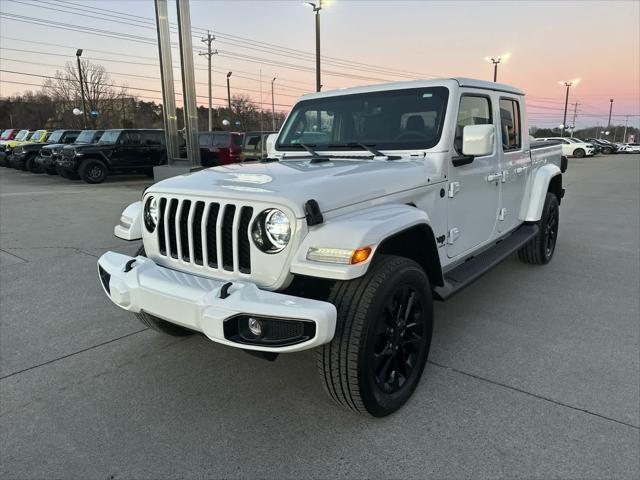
[130, 226]
[539, 188]
[369, 227]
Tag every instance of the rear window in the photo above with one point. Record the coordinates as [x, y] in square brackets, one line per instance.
[152, 138]
[237, 140]
[204, 139]
[221, 140]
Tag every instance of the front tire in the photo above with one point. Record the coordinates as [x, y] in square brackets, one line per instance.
[157, 324]
[540, 249]
[383, 334]
[93, 171]
[579, 153]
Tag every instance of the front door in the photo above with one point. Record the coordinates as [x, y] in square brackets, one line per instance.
[515, 163]
[474, 189]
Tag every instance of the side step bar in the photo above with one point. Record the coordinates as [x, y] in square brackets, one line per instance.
[463, 275]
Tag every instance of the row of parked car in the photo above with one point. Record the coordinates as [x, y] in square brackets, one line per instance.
[93, 155]
[575, 147]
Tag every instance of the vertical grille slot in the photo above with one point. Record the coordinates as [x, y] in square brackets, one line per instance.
[173, 243]
[160, 227]
[227, 237]
[196, 225]
[212, 244]
[184, 229]
[244, 248]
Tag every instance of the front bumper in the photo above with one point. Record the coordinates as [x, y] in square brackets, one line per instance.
[46, 162]
[17, 160]
[3, 159]
[195, 302]
[66, 162]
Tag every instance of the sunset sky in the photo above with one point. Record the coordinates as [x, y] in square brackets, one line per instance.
[364, 42]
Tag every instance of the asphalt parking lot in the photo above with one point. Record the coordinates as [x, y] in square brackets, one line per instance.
[534, 371]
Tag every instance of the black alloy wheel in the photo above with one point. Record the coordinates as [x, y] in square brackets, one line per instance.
[551, 230]
[399, 341]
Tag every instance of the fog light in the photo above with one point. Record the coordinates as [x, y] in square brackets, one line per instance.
[255, 326]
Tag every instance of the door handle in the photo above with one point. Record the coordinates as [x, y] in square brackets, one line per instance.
[520, 170]
[494, 177]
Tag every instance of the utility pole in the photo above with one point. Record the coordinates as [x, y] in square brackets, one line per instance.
[575, 114]
[273, 107]
[84, 102]
[610, 110]
[209, 53]
[229, 92]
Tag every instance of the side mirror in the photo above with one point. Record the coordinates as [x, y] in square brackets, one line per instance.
[478, 140]
[271, 143]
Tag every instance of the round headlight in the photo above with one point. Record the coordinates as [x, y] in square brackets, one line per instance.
[151, 214]
[271, 231]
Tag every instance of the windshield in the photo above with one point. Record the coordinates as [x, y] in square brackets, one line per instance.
[22, 135]
[37, 135]
[109, 137]
[393, 120]
[85, 136]
[56, 136]
[5, 134]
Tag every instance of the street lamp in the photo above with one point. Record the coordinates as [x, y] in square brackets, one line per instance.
[273, 107]
[316, 8]
[229, 92]
[84, 103]
[502, 58]
[566, 102]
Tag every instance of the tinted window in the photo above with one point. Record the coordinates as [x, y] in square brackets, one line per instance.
[398, 119]
[130, 138]
[253, 140]
[510, 124]
[474, 110]
[204, 139]
[151, 139]
[221, 140]
[237, 140]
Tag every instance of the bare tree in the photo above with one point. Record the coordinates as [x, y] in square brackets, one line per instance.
[101, 95]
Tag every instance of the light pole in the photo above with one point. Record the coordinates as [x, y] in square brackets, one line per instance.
[84, 103]
[566, 103]
[610, 110]
[316, 8]
[496, 60]
[229, 92]
[273, 107]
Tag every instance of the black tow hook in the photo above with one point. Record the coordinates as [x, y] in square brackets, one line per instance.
[129, 265]
[224, 291]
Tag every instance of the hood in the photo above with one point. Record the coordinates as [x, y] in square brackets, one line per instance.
[334, 184]
[90, 147]
[31, 147]
[54, 146]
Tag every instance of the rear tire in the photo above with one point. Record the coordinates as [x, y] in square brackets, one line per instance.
[607, 150]
[157, 324]
[540, 249]
[383, 332]
[32, 166]
[93, 171]
[579, 152]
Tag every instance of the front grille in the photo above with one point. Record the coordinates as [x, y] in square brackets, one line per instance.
[209, 234]
[45, 152]
[68, 153]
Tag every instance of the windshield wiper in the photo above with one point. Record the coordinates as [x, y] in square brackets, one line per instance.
[309, 148]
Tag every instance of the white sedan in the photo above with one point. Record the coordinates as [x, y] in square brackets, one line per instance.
[630, 148]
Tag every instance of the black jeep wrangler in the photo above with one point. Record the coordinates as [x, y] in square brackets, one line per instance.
[117, 151]
[46, 159]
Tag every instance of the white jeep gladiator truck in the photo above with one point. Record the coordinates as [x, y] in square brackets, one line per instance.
[373, 202]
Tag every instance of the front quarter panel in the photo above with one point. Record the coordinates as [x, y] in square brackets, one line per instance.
[365, 228]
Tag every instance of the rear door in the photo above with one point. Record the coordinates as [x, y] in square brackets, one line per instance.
[128, 153]
[515, 161]
[473, 195]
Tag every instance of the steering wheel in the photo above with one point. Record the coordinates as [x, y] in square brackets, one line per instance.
[411, 133]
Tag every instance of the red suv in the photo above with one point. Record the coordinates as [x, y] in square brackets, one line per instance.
[220, 148]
